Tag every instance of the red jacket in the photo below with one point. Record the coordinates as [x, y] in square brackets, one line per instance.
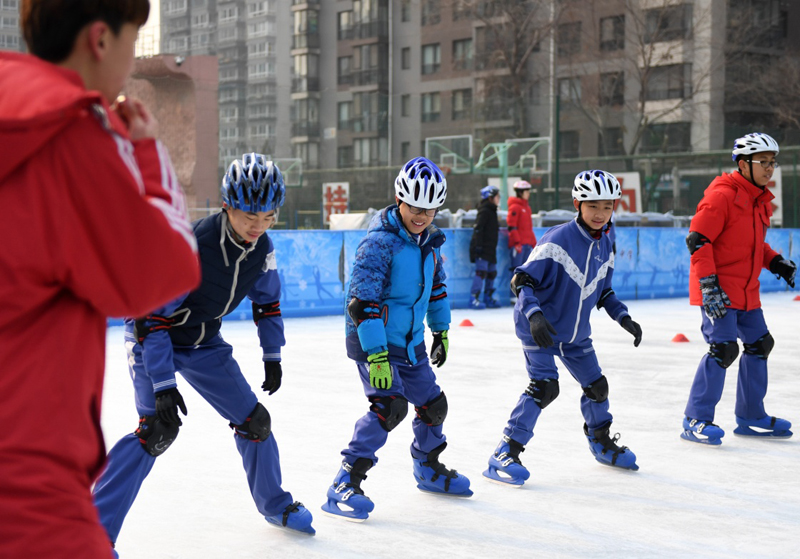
[94, 226]
[734, 215]
[520, 228]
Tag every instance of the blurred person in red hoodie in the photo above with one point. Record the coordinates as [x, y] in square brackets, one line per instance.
[97, 226]
[521, 238]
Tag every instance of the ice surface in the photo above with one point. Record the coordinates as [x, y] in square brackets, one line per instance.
[739, 500]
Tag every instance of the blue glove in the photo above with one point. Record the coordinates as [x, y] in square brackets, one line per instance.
[714, 298]
[272, 377]
[380, 371]
[783, 268]
[439, 348]
[167, 404]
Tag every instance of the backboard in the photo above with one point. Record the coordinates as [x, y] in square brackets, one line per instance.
[291, 169]
[453, 153]
[529, 156]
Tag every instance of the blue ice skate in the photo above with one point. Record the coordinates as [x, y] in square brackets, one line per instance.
[476, 304]
[703, 432]
[345, 497]
[432, 476]
[767, 427]
[294, 517]
[505, 466]
[605, 449]
[491, 303]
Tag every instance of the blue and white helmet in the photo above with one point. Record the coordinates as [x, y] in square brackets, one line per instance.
[757, 142]
[253, 184]
[596, 185]
[489, 192]
[421, 184]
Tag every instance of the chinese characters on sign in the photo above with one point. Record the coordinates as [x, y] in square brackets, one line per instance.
[335, 199]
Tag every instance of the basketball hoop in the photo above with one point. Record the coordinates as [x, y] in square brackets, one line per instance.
[446, 170]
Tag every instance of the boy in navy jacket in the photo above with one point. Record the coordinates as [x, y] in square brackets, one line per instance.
[397, 282]
[567, 274]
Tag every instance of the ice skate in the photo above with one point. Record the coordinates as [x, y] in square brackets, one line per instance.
[605, 449]
[476, 304]
[491, 303]
[505, 467]
[345, 497]
[767, 427]
[294, 517]
[432, 476]
[702, 432]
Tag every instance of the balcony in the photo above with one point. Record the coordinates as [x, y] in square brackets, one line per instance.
[370, 122]
[302, 84]
[373, 76]
[370, 29]
[305, 128]
[305, 41]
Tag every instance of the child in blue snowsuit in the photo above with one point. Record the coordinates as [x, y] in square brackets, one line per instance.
[396, 282]
[567, 274]
[238, 260]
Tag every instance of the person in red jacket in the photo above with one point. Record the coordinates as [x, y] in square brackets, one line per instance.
[521, 238]
[728, 252]
[96, 226]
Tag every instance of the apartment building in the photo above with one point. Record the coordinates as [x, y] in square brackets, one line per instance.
[10, 34]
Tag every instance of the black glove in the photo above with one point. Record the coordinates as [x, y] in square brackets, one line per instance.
[633, 328]
[783, 268]
[714, 298]
[541, 330]
[167, 404]
[439, 348]
[272, 376]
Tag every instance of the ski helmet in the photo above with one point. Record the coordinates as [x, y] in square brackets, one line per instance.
[522, 185]
[596, 185]
[757, 142]
[421, 184]
[253, 184]
[489, 192]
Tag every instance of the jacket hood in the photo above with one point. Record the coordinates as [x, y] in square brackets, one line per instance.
[37, 101]
[388, 219]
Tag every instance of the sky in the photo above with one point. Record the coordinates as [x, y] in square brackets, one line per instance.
[739, 500]
[149, 35]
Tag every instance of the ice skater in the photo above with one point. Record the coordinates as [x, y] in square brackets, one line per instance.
[521, 238]
[728, 252]
[396, 282]
[238, 260]
[483, 249]
[567, 274]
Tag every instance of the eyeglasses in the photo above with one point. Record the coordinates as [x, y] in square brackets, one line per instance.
[417, 211]
[766, 164]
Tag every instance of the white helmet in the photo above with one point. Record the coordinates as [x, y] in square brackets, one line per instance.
[421, 184]
[756, 142]
[522, 185]
[596, 185]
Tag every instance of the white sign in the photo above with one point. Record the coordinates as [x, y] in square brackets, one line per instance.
[631, 201]
[776, 187]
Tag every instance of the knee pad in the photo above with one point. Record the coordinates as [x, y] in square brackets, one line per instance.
[155, 435]
[597, 391]
[391, 410]
[491, 275]
[434, 412]
[256, 427]
[724, 353]
[543, 391]
[761, 347]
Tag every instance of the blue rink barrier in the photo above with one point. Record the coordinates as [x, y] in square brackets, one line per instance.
[651, 262]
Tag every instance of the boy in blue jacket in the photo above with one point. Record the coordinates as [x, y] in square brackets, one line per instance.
[237, 259]
[567, 274]
[396, 282]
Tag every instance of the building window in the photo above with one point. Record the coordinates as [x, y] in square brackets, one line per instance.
[228, 34]
[228, 74]
[405, 150]
[612, 33]
[173, 7]
[405, 58]
[345, 25]
[200, 20]
[228, 14]
[259, 111]
[9, 42]
[344, 157]
[405, 11]
[569, 90]
[405, 105]
[256, 9]
[231, 94]
[229, 133]
[461, 10]
[261, 70]
[260, 29]
[369, 152]
[462, 104]
[259, 50]
[568, 38]
[10, 4]
[671, 137]
[431, 58]
[612, 89]
[668, 24]
[431, 107]
[177, 44]
[229, 114]
[569, 144]
[669, 82]
[431, 12]
[462, 54]
[343, 71]
[345, 110]
[610, 142]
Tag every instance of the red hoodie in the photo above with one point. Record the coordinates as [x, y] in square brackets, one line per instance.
[734, 215]
[520, 227]
[94, 226]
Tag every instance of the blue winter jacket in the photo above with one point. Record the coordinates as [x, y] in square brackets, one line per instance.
[572, 273]
[404, 276]
[230, 272]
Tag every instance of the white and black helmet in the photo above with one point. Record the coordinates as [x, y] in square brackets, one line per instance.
[421, 184]
[596, 185]
[757, 142]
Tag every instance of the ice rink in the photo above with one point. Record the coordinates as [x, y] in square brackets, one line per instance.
[738, 500]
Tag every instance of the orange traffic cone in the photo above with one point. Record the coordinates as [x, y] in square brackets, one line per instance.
[797, 298]
[466, 322]
[680, 338]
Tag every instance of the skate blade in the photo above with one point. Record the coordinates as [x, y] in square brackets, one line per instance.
[692, 438]
[632, 468]
[308, 531]
[744, 431]
[465, 495]
[332, 509]
[494, 477]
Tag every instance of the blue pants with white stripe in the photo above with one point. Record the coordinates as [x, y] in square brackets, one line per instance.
[211, 370]
[581, 362]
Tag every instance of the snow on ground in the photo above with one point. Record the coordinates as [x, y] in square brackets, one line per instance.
[738, 500]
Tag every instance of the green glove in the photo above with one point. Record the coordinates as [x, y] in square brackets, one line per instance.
[380, 372]
[439, 348]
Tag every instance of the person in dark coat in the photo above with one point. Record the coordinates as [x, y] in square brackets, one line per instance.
[483, 249]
